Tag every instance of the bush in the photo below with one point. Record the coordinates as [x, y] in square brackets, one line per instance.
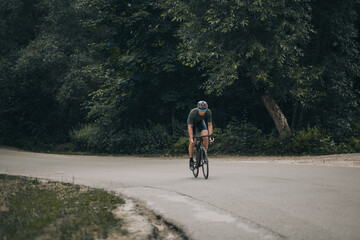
[352, 145]
[275, 145]
[353, 142]
[84, 138]
[181, 146]
[312, 141]
[307, 141]
[239, 138]
[236, 138]
[152, 140]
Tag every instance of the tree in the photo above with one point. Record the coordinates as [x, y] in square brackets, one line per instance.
[335, 50]
[256, 41]
[18, 20]
[43, 87]
[141, 79]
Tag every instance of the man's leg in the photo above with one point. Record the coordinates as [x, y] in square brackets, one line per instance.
[206, 139]
[204, 131]
[191, 149]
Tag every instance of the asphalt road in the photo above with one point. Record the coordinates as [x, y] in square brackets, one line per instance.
[240, 200]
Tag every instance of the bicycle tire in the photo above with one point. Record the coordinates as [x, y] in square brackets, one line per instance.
[196, 168]
[205, 164]
[196, 172]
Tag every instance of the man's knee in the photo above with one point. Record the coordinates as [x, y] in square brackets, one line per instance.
[203, 133]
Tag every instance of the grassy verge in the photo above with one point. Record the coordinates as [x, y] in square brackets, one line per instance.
[30, 209]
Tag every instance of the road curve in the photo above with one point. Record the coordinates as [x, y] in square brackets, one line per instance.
[263, 199]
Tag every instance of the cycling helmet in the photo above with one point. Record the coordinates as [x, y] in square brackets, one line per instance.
[202, 105]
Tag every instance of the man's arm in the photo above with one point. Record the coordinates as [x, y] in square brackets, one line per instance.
[210, 126]
[191, 133]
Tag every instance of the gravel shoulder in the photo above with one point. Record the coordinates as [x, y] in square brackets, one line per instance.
[336, 160]
[142, 223]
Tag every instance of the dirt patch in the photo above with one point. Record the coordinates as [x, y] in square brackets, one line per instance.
[141, 223]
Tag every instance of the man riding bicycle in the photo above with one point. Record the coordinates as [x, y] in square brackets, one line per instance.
[197, 119]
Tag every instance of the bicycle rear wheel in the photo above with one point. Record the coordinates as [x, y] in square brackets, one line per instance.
[205, 164]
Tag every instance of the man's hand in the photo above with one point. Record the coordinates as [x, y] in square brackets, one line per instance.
[212, 139]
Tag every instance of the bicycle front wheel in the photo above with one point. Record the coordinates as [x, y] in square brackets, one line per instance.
[205, 164]
[196, 167]
[196, 171]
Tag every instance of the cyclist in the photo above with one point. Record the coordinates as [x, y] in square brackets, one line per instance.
[197, 119]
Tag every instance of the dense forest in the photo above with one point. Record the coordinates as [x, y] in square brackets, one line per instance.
[107, 76]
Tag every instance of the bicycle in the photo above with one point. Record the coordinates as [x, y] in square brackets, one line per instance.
[201, 157]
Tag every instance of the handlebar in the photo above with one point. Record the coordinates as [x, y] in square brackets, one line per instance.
[201, 136]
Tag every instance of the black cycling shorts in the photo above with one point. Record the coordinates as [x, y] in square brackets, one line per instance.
[199, 126]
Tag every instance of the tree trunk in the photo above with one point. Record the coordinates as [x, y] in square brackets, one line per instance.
[276, 114]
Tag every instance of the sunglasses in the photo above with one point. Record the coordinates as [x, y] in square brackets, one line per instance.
[202, 110]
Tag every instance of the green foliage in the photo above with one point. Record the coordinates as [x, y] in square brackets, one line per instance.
[277, 146]
[243, 138]
[152, 140]
[260, 42]
[114, 66]
[85, 137]
[142, 141]
[303, 53]
[352, 143]
[141, 78]
[311, 140]
[181, 146]
[335, 50]
[48, 47]
[238, 138]
[307, 141]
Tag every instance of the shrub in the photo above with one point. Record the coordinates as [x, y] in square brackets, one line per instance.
[311, 141]
[181, 146]
[275, 145]
[152, 140]
[235, 138]
[354, 141]
[352, 145]
[306, 141]
[85, 137]
[240, 138]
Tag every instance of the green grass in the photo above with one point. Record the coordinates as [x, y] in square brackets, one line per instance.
[30, 209]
